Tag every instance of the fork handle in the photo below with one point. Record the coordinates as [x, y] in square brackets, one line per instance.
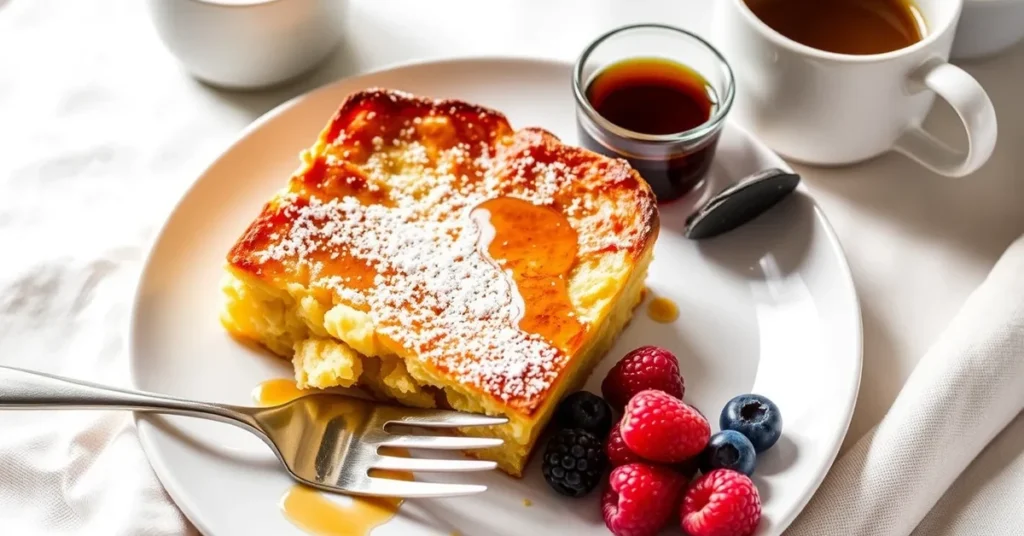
[25, 389]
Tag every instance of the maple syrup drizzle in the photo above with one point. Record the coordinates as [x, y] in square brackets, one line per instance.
[662, 310]
[310, 509]
[538, 246]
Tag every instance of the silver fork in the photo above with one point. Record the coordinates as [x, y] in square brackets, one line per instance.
[327, 441]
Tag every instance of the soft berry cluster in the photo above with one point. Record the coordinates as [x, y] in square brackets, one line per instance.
[656, 448]
[659, 443]
[651, 445]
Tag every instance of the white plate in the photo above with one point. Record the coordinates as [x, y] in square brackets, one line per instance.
[769, 308]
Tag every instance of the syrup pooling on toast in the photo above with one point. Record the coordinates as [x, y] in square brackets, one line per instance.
[389, 190]
[537, 246]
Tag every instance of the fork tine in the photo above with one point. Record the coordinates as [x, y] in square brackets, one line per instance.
[387, 487]
[441, 442]
[441, 419]
[396, 463]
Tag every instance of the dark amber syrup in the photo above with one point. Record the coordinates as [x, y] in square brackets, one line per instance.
[659, 97]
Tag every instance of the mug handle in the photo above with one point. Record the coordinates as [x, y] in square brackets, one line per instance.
[966, 96]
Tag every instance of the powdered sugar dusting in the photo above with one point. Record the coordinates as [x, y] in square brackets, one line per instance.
[433, 290]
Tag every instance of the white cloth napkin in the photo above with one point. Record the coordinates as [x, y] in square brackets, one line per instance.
[904, 476]
[95, 143]
[75, 473]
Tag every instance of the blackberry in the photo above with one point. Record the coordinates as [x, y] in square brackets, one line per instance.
[574, 462]
[585, 410]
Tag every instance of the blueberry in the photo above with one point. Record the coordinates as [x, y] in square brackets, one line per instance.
[755, 417]
[585, 410]
[729, 449]
[574, 462]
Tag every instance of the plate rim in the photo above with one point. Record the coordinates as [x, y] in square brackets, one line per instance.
[147, 440]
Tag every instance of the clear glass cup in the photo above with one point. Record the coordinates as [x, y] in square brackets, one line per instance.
[675, 163]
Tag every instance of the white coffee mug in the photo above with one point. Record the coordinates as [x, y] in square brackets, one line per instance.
[823, 108]
[248, 44]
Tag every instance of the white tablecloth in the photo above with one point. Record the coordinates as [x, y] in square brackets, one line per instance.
[100, 132]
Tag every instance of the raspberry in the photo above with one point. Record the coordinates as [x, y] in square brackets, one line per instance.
[661, 428]
[647, 367]
[640, 499]
[617, 451]
[721, 503]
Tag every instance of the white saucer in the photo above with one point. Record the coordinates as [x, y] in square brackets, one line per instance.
[769, 308]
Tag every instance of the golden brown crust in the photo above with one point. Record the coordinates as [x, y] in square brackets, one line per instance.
[389, 163]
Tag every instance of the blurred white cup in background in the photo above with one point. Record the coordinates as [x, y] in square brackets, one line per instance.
[247, 44]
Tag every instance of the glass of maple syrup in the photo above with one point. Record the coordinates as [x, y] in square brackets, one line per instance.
[656, 96]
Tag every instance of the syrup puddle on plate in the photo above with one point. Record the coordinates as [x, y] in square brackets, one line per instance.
[310, 509]
[276, 392]
[662, 310]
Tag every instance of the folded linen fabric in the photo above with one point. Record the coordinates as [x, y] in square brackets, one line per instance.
[962, 394]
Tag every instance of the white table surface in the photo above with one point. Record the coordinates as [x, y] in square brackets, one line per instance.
[101, 131]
